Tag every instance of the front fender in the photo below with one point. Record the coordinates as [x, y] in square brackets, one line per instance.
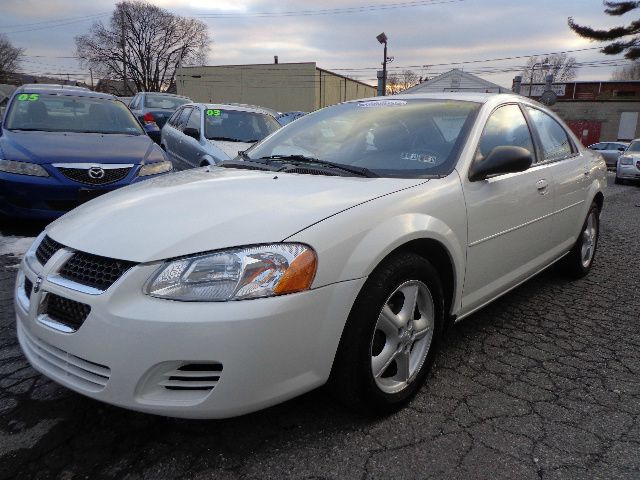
[351, 244]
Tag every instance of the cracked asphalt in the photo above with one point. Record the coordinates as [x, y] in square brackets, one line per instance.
[543, 383]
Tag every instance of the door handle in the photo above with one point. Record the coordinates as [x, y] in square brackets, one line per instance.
[542, 185]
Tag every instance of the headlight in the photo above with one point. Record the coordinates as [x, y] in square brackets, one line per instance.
[22, 168]
[155, 168]
[626, 161]
[252, 272]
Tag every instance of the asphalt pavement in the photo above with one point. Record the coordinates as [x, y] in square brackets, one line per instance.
[542, 384]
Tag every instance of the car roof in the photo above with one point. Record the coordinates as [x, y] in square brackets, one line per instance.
[163, 94]
[236, 106]
[62, 89]
[477, 97]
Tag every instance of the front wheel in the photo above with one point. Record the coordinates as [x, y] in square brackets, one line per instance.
[391, 336]
[579, 260]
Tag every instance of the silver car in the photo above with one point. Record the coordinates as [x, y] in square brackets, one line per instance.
[201, 134]
[610, 151]
[628, 165]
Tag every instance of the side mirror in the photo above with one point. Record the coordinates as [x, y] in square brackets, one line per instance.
[506, 159]
[192, 132]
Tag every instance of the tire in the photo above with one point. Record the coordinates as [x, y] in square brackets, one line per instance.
[369, 339]
[619, 181]
[579, 260]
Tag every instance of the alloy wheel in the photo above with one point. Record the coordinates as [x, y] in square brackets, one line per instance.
[589, 239]
[402, 336]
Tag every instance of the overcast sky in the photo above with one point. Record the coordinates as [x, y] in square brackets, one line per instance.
[420, 37]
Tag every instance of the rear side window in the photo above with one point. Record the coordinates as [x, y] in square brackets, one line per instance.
[194, 119]
[554, 139]
[182, 119]
[173, 120]
[506, 127]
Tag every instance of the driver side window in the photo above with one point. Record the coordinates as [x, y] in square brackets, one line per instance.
[506, 127]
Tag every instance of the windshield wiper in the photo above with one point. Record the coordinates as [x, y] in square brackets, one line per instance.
[225, 139]
[247, 164]
[297, 159]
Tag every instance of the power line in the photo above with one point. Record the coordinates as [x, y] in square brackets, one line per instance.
[21, 25]
[329, 11]
[62, 24]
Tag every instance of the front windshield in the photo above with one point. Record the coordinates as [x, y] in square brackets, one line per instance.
[68, 113]
[393, 138]
[164, 102]
[238, 126]
[634, 147]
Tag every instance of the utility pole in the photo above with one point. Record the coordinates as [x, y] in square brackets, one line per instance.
[124, 53]
[382, 38]
[91, 75]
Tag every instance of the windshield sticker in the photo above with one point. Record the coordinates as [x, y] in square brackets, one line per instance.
[382, 103]
[213, 113]
[31, 97]
[418, 157]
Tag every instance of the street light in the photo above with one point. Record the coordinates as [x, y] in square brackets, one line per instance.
[382, 38]
[544, 65]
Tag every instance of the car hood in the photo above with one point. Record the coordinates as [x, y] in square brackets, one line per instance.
[211, 208]
[66, 147]
[230, 149]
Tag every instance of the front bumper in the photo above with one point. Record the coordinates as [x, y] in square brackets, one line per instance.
[24, 196]
[267, 350]
[628, 172]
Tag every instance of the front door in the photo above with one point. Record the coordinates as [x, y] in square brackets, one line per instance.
[509, 224]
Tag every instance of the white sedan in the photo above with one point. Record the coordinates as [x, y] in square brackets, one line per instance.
[336, 251]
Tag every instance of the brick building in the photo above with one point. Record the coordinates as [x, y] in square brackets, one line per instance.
[596, 111]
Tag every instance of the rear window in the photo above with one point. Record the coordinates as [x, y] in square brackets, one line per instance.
[67, 113]
[164, 102]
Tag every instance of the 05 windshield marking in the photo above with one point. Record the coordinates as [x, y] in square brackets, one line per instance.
[401, 138]
[66, 113]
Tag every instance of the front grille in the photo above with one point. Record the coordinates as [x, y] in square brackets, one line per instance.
[82, 175]
[47, 248]
[93, 270]
[28, 286]
[65, 311]
[52, 360]
[193, 377]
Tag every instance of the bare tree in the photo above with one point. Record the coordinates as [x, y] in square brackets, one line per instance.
[9, 56]
[630, 72]
[397, 82]
[624, 39]
[562, 67]
[156, 43]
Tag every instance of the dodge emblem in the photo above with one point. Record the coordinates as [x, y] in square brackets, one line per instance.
[36, 286]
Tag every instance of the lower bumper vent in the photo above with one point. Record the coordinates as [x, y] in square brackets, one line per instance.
[52, 360]
[193, 376]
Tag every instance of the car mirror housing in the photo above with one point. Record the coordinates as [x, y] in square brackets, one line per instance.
[504, 159]
[192, 132]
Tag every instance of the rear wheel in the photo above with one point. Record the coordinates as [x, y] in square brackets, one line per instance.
[579, 260]
[391, 336]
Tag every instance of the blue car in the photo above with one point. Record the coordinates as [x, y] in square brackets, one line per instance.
[61, 146]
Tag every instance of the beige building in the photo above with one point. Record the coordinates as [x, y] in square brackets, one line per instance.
[280, 86]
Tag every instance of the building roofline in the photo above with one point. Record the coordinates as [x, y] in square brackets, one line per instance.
[343, 76]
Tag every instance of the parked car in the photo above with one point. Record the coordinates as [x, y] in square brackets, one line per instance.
[205, 134]
[60, 147]
[125, 100]
[288, 117]
[232, 288]
[628, 165]
[154, 108]
[610, 151]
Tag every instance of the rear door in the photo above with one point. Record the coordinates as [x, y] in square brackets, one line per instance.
[509, 215]
[191, 149]
[571, 174]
